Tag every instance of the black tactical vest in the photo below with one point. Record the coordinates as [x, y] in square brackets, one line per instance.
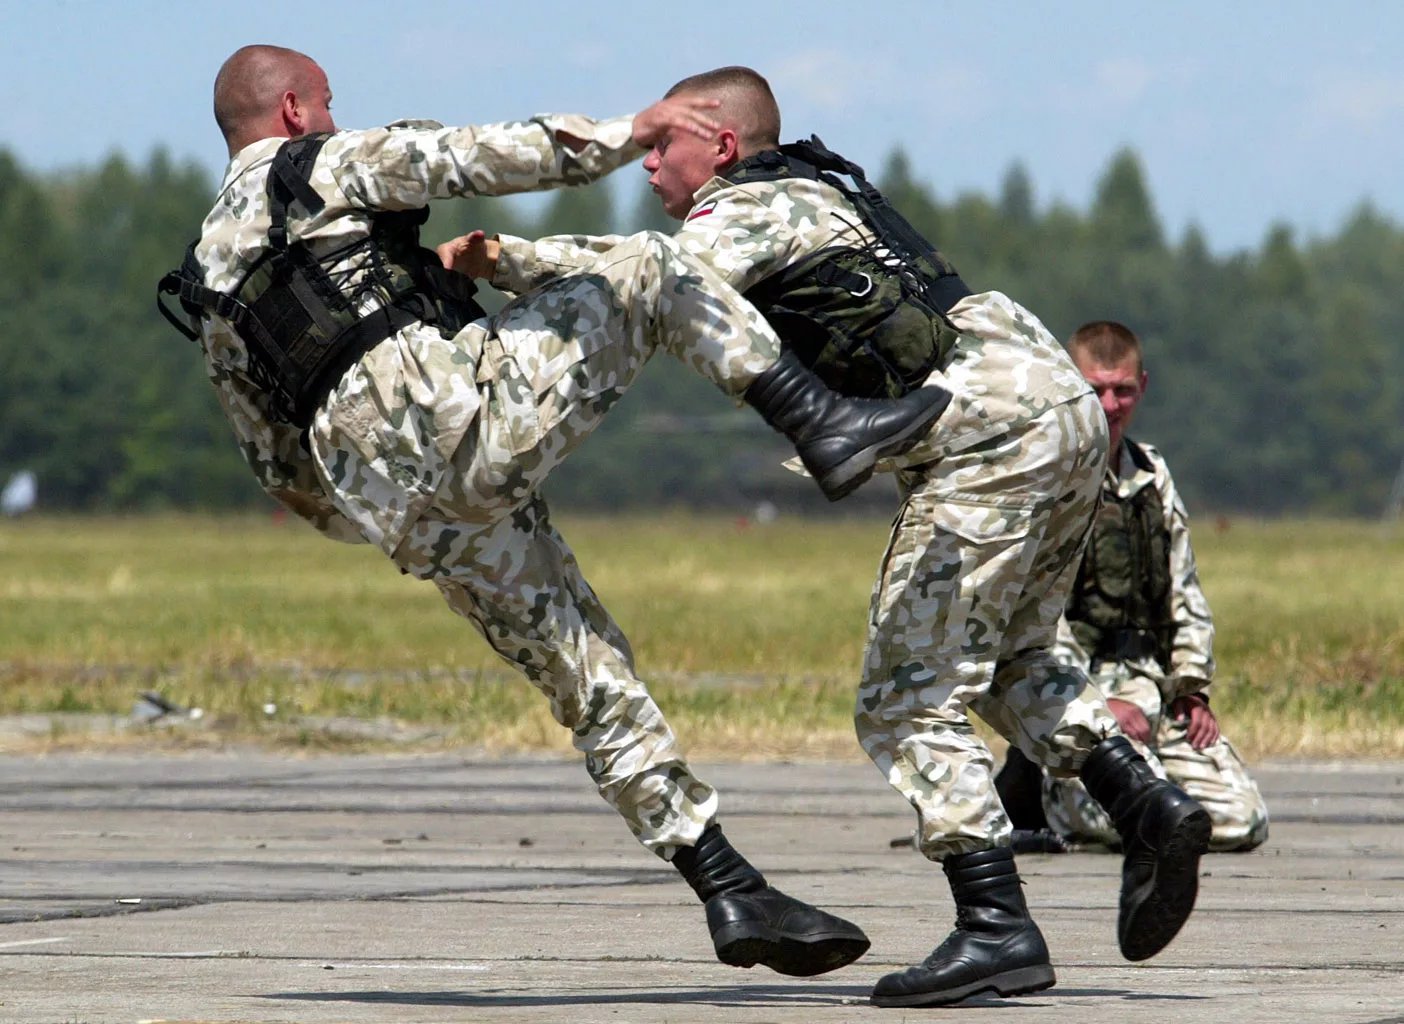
[1120, 606]
[869, 319]
[301, 325]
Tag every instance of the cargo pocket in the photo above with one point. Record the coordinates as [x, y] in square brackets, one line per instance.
[953, 573]
[511, 421]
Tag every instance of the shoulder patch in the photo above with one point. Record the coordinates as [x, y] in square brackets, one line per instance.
[702, 211]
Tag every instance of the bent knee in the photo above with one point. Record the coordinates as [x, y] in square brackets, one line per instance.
[1237, 839]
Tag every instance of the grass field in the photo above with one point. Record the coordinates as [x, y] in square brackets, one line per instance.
[749, 635]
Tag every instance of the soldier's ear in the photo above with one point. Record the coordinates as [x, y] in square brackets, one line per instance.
[728, 148]
[290, 107]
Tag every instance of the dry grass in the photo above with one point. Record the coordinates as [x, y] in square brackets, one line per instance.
[751, 636]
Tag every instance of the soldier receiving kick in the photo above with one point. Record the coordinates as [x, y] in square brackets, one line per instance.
[997, 502]
[372, 398]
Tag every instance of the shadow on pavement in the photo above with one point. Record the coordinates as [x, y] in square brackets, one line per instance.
[734, 995]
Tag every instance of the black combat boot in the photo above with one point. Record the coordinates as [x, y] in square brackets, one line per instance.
[995, 947]
[839, 438]
[1019, 783]
[753, 923]
[1163, 833]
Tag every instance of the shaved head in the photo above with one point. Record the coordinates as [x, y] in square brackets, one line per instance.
[250, 88]
[748, 106]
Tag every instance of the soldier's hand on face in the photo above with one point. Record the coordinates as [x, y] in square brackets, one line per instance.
[680, 113]
[1203, 728]
[1132, 720]
[473, 254]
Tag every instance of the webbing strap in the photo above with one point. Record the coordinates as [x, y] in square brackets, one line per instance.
[814, 161]
[288, 181]
[349, 345]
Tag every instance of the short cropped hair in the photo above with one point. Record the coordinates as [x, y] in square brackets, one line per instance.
[251, 82]
[1106, 342]
[747, 104]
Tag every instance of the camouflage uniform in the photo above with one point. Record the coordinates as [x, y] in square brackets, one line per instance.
[432, 446]
[996, 505]
[1216, 775]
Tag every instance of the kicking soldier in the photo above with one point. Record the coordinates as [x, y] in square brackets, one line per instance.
[372, 398]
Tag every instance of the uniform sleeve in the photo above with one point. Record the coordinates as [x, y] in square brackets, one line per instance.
[283, 468]
[405, 165]
[737, 235]
[523, 264]
[1192, 646]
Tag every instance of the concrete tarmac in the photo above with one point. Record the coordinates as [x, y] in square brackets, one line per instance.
[255, 887]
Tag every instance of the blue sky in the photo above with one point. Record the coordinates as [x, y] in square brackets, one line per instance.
[1244, 114]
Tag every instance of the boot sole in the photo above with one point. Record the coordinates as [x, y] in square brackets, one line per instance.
[745, 944]
[1018, 982]
[1168, 897]
[854, 471]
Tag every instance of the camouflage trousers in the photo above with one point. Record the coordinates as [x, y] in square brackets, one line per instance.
[1215, 776]
[554, 362]
[980, 562]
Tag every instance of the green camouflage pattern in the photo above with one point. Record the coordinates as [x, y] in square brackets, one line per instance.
[1215, 776]
[1190, 666]
[433, 447]
[1124, 580]
[847, 315]
[998, 500]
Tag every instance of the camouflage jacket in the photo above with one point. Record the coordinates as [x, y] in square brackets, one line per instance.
[1004, 370]
[1191, 662]
[378, 448]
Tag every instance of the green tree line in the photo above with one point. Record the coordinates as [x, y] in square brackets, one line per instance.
[1275, 372]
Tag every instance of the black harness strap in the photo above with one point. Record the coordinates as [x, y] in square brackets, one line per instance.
[941, 285]
[297, 315]
[288, 180]
[184, 283]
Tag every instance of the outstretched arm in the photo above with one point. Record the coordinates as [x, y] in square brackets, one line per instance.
[405, 165]
[739, 237]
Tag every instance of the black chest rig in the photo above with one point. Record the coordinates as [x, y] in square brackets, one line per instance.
[869, 319]
[298, 317]
[1120, 606]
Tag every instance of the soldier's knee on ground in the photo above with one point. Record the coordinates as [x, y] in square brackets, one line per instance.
[1235, 839]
